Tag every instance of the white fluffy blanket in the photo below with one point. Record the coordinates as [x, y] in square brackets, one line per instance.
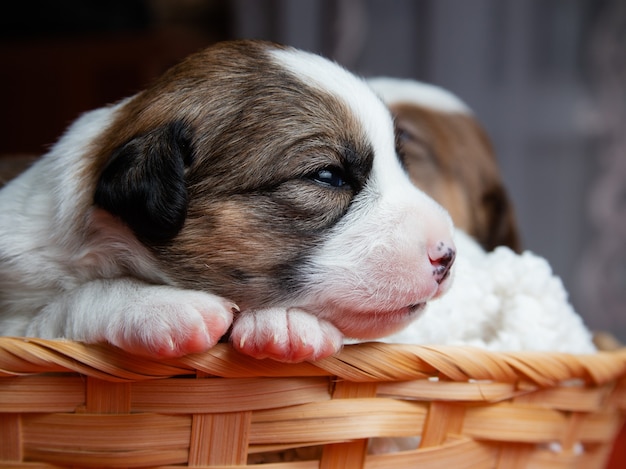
[500, 301]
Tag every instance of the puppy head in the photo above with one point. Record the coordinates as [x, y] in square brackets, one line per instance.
[270, 176]
[449, 156]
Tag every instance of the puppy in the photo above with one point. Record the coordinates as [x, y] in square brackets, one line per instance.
[251, 180]
[449, 156]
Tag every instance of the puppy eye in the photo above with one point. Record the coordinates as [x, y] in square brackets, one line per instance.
[402, 135]
[330, 176]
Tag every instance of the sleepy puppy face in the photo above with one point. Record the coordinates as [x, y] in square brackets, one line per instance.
[273, 179]
[449, 156]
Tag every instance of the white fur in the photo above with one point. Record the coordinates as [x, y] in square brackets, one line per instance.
[35, 209]
[393, 90]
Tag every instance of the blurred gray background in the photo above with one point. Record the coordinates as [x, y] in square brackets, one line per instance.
[547, 78]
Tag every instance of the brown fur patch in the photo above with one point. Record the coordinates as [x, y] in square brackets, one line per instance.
[258, 135]
[450, 158]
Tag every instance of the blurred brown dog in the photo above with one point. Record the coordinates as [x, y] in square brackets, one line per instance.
[449, 156]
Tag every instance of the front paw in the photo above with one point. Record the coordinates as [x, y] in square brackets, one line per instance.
[167, 322]
[286, 335]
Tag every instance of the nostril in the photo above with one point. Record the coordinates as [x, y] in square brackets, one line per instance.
[442, 262]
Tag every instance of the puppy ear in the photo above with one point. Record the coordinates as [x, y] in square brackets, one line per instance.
[501, 222]
[143, 182]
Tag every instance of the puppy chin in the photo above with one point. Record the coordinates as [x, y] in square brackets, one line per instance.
[375, 324]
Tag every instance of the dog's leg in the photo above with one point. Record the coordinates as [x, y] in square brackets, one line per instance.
[285, 334]
[151, 320]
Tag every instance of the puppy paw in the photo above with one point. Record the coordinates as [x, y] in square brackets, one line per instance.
[167, 322]
[286, 335]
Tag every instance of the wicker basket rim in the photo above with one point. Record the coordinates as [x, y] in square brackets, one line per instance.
[367, 362]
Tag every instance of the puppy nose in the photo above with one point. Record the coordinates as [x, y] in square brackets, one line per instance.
[441, 257]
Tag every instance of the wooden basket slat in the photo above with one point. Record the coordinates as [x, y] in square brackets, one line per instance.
[352, 452]
[225, 395]
[27, 465]
[574, 431]
[105, 432]
[106, 397]
[10, 436]
[449, 390]
[592, 458]
[508, 422]
[41, 393]
[147, 458]
[443, 419]
[26, 356]
[338, 420]
[601, 427]
[220, 439]
[281, 465]
[568, 398]
[457, 453]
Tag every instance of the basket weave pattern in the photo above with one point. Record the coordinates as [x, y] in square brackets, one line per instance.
[64, 403]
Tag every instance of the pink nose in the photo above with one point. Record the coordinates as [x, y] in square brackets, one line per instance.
[441, 257]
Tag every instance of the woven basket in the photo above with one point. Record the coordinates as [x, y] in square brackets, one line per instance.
[67, 404]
